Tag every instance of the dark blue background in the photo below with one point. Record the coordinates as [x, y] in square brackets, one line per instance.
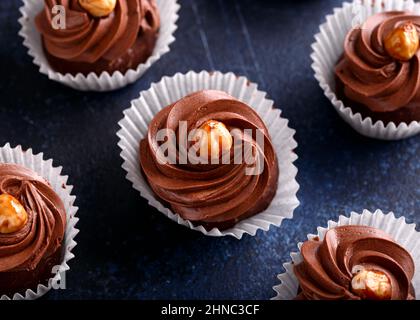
[129, 250]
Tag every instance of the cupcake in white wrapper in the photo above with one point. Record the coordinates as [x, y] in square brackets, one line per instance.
[329, 47]
[58, 182]
[402, 233]
[134, 127]
[168, 11]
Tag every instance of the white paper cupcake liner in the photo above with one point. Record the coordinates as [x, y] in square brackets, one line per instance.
[327, 50]
[168, 10]
[59, 184]
[135, 123]
[403, 233]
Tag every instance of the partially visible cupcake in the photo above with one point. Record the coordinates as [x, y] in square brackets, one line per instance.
[99, 35]
[379, 73]
[212, 181]
[366, 60]
[32, 228]
[355, 263]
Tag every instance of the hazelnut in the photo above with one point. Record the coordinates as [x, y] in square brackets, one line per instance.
[371, 284]
[98, 8]
[13, 215]
[214, 139]
[403, 42]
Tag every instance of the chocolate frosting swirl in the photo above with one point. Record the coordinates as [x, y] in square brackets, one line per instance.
[88, 39]
[213, 195]
[326, 270]
[44, 230]
[370, 75]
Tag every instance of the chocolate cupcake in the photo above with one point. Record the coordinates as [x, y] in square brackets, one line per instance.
[214, 188]
[379, 74]
[99, 35]
[367, 256]
[32, 227]
[97, 45]
[355, 263]
[366, 60]
[202, 189]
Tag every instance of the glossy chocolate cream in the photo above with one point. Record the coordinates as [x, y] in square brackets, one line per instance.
[28, 255]
[327, 269]
[373, 83]
[117, 42]
[212, 195]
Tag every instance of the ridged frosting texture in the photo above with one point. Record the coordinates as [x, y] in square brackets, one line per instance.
[326, 270]
[370, 75]
[212, 195]
[44, 231]
[88, 39]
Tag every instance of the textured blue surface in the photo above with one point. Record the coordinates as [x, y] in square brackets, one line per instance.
[129, 250]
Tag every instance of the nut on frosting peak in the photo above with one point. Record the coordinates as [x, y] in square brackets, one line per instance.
[98, 8]
[402, 42]
[13, 215]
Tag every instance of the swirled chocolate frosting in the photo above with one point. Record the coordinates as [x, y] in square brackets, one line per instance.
[28, 255]
[118, 42]
[212, 195]
[326, 270]
[373, 83]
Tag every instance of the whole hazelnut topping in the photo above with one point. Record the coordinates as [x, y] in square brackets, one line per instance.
[214, 139]
[98, 8]
[403, 42]
[13, 215]
[371, 284]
